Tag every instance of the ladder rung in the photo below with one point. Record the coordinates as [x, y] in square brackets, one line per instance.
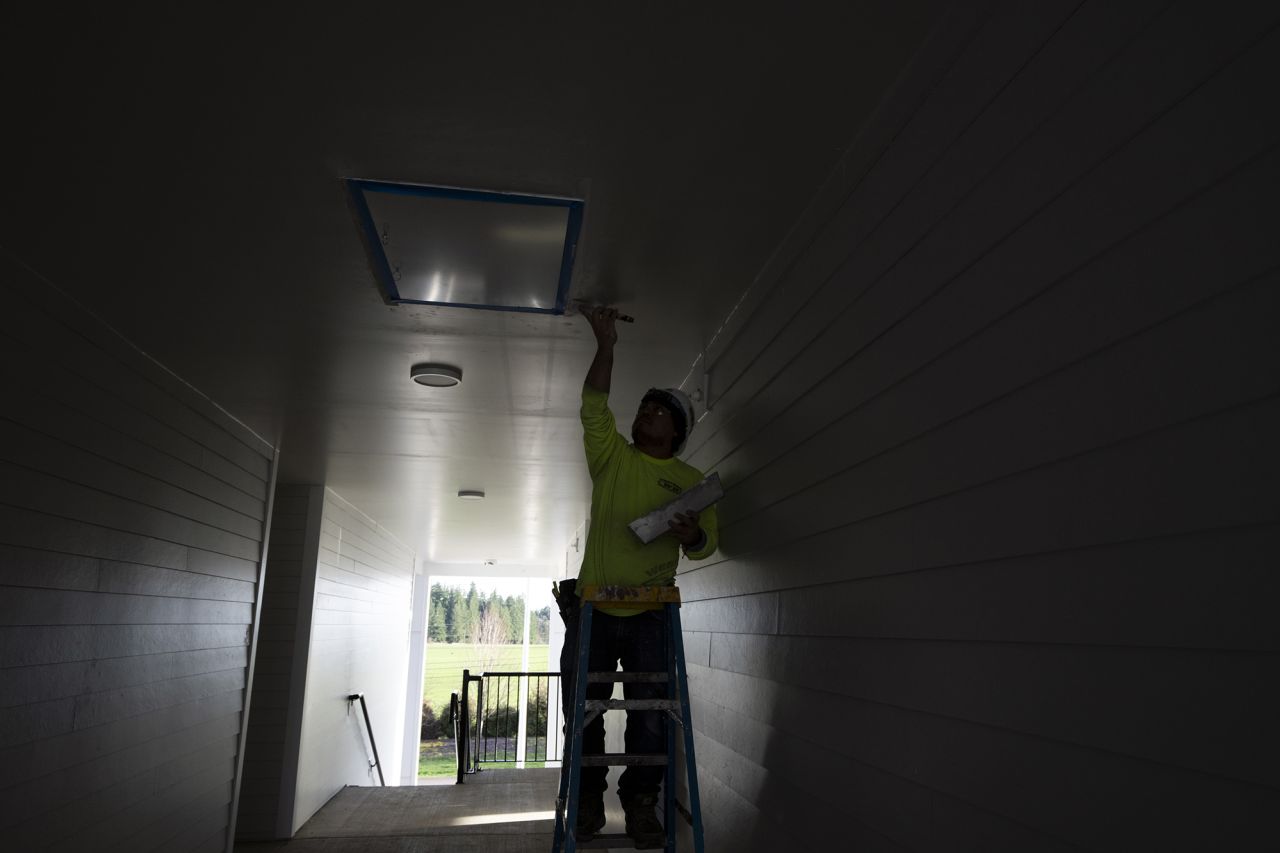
[604, 842]
[633, 705]
[649, 677]
[610, 759]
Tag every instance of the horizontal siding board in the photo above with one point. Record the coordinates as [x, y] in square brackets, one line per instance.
[42, 794]
[1102, 496]
[1099, 318]
[350, 554]
[178, 830]
[827, 790]
[1160, 267]
[35, 294]
[1192, 709]
[193, 831]
[28, 684]
[37, 567]
[1208, 590]
[33, 329]
[1129, 391]
[60, 607]
[47, 384]
[131, 521]
[30, 646]
[126, 578]
[22, 527]
[22, 447]
[1132, 93]
[755, 614]
[60, 498]
[997, 459]
[979, 73]
[119, 739]
[108, 817]
[791, 812]
[1083, 796]
[100, 708]
[54, 419]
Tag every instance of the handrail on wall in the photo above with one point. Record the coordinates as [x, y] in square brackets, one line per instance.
[369, 728]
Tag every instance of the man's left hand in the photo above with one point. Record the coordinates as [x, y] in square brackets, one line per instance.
[685, 528]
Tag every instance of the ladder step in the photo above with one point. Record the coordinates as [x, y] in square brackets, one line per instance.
[633, 705]
[604, 842]
[610, 759]
[649, 677]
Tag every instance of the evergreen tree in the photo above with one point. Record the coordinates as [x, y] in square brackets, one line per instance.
[451, 615]
[436, 627]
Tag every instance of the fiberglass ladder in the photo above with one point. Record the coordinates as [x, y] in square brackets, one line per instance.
[676, 705]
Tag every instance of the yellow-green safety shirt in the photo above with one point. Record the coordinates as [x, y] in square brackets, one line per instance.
[625, 484]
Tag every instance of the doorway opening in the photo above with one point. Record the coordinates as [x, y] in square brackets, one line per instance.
[487, 625]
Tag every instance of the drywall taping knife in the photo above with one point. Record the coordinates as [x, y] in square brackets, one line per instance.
[649, 527]
[581, 306]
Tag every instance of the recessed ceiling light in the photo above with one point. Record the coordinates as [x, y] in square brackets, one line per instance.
[471, 494]
[436, 375]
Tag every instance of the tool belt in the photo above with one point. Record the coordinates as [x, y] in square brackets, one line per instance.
[567, 600]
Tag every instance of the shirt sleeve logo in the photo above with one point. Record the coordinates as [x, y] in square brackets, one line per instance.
[670, 486]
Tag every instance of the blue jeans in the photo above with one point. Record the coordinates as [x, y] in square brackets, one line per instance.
[640, 642]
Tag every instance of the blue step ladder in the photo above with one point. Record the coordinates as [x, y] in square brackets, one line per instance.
[676, 705]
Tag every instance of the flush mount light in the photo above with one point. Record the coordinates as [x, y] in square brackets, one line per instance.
[436, 375]
[471, 494]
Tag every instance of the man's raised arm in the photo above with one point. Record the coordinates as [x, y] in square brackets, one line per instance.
[604, 324]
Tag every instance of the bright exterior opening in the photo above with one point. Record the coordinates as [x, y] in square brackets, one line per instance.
[489, 626]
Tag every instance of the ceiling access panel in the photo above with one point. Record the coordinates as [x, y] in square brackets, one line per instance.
[433, 245]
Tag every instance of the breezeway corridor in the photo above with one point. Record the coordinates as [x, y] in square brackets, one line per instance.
[974, 304]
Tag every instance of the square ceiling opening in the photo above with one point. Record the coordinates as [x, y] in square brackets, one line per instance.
[432, 245]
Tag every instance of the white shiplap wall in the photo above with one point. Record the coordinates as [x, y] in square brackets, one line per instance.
[267, 792]
[359, 644]
[998, 425]
[132, 513]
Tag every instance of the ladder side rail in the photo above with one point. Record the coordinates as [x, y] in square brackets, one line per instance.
[671, 641]
[691, 764]
[579, 712]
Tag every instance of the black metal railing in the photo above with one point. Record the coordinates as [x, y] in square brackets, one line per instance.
[368, 727]
[508, 718]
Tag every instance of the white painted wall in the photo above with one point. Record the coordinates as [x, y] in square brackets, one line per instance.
[412, 734]
[997, 565]
[132, 518]
[359, 644]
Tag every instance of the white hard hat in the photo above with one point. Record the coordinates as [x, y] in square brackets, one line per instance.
[681, 407]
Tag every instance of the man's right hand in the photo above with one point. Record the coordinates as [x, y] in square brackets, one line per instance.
[604, 323]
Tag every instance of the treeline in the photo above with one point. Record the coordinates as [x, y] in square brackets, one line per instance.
[457, 617]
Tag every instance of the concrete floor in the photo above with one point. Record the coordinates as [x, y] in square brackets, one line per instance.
[496, 811]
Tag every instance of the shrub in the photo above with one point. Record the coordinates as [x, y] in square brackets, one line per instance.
[432, 726]
[501, 722]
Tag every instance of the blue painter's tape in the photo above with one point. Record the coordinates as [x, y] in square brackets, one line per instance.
[357, 187]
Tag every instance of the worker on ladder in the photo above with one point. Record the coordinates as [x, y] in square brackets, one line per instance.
[629, 480]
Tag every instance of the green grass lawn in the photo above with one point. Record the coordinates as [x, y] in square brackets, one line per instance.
[437, 758]
[446, 661]
[443, 676]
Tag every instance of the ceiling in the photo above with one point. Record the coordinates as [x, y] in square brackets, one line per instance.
[180, 174]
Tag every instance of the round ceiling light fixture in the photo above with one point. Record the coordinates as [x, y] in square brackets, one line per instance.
[471, 494]
[436, 375]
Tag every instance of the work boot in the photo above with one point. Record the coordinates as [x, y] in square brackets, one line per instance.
[590, 816]
[643, 826]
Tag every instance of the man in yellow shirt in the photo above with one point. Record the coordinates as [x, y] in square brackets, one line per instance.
[628, 480]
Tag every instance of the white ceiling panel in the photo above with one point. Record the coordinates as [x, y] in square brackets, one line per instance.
[185, 180]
